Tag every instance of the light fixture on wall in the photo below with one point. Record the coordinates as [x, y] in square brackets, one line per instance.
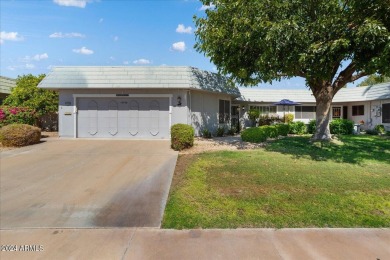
[179, 101]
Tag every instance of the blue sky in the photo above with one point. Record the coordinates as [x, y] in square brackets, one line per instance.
[37, 35]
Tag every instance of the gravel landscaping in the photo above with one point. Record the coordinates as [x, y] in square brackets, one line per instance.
[220, 144]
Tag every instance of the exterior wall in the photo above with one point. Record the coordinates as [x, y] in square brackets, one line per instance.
[68, 111]
[204, 110]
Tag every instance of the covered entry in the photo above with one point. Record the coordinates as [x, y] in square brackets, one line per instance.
[123, 117]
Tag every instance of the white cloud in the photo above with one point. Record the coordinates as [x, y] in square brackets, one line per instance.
[142, 62]
[126, 62]
[83, 50]
[205, 7]
[36, 57]
[39, 57]
[28, 66]
[73, 3]
[66, 35]
[116, 38]
[179, 46]
[10, 36]
[182, 29]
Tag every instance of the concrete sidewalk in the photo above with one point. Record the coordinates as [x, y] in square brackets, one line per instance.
[153, 243]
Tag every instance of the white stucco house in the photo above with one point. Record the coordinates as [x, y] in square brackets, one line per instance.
[138, 102]
[144, 102]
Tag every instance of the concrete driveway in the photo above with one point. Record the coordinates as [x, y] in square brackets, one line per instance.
[85, 183]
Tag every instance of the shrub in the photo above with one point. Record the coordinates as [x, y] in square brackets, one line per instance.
[341, 127]
[253, 135]
[268, 120]
[270, 131]
[19, 135]
[298, 128]
[311, 128]
[380, 129]
[372, 132]
[17, 115]
[206, 133]
[232, 130]
[182, 137]
[253, 114]
[283, 129]
[288, 118]
[220, 131]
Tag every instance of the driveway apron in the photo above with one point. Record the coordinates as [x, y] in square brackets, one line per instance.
[86, 183]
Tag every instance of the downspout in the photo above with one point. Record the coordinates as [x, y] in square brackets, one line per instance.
[189, 107]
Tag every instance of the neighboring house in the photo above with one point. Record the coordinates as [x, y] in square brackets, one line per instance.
[138, 102]
[367, 105]
[6, 85]
[144, 102]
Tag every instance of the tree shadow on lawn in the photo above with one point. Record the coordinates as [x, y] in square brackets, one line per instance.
[347, 149]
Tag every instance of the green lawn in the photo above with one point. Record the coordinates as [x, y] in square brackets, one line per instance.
[290, 183]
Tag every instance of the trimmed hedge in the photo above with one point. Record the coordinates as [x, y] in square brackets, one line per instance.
[341, 127]
[298, 128]
[311, 128]
[254, 135]
[182, 137]
[19, 135]
[270, 131]
[283, 129]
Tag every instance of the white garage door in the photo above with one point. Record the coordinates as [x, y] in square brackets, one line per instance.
[123, 118]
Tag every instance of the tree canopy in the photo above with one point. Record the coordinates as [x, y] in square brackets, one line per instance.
[27, 94]
[328, 42]
[374, 79]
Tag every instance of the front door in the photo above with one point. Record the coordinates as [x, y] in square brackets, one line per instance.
[345, 112]
[235, 116]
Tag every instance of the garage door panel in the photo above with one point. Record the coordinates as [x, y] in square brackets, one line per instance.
[123, 117]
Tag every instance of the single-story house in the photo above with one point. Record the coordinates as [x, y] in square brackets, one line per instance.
[144, 102]
[368, 106]
[6, 85]
[138, 102]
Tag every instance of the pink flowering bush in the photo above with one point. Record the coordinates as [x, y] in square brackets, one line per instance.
[17, 115]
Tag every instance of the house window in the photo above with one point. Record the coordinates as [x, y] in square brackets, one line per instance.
[386, 113]
[265, 109]
[336, 112]
[358, 110]
[224, 111]
[305, 112]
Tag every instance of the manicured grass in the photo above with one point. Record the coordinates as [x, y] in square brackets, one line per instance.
[290, 183]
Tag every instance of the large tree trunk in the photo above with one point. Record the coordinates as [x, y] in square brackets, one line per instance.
[324, 97]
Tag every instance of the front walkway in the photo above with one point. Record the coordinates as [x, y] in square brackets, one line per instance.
[153, 243]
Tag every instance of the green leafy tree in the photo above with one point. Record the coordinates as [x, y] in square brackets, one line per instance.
[329, 43]
[27, 94]
[374, 79]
